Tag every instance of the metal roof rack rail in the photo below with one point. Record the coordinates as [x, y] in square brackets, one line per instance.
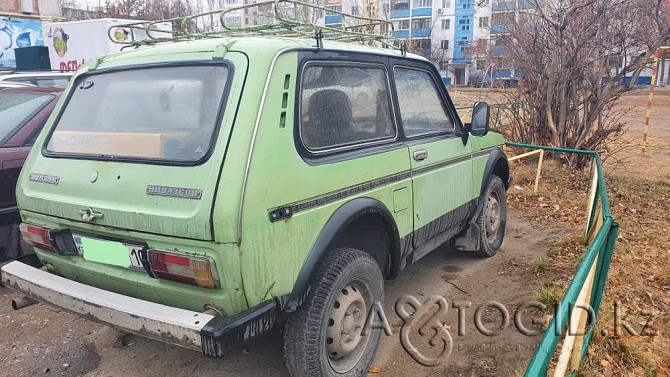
[284, 18]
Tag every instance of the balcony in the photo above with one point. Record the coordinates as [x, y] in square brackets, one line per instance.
[334, 19]
[417, 12]
[500, 28]
[401, 33]
[400, 13]
[420, 33]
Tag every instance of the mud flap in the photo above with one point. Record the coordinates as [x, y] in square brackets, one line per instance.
[12, 246]
[468, 240]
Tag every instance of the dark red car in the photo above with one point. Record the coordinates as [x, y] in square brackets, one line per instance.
[23, 112]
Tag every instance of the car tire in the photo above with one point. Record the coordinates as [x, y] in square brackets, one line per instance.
[323, 338]
[492, 219]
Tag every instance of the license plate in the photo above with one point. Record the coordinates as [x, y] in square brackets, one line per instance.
[109, 252]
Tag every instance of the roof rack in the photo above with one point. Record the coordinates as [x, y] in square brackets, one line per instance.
[284, 18]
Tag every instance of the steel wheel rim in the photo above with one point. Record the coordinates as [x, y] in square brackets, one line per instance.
[346, 319]
[493, 216]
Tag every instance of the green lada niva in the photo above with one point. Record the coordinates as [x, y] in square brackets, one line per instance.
[200, 192]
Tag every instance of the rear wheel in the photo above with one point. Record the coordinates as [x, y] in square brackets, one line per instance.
[492, 219]
[325, 336]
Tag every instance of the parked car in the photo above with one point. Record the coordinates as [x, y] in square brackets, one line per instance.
[176, 195]
[23, 112]
[37, 78]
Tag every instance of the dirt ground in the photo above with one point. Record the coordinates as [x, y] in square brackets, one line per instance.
[41, 340]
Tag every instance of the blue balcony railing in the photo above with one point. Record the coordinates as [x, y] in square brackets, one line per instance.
[334, 19]
[418, 12]
[402, 13]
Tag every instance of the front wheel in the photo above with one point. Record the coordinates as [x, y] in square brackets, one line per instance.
[492, 219]
[325, 336]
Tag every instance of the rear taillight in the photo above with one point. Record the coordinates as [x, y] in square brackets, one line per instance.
[37, 236]
[183, 268]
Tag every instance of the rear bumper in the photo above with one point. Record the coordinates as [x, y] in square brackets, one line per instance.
[213, 335]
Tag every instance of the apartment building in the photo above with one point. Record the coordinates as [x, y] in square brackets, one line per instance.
[446, 32]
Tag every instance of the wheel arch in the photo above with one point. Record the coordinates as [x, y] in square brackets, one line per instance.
[362, 223]
[496, 165]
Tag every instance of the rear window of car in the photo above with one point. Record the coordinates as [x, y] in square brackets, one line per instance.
[167, 113]
[17, 108]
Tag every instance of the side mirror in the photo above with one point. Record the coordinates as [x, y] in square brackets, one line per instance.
[480, 119]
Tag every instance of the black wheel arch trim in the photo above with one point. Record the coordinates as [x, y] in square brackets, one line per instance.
[333, 228]
[495, 156]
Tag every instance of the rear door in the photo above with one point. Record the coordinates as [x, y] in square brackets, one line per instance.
[441, 165]
[139, 147]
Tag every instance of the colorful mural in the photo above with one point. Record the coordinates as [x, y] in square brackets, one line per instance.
[15, 33]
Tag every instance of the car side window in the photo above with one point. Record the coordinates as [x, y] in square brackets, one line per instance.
[25, 80]
[52, 81]
[421, 108]
[33, 137]
[344, 105]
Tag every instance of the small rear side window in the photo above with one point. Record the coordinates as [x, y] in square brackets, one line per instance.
[344, 105]
[159, 113]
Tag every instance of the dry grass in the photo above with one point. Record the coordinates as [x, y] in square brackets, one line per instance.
[639, 276]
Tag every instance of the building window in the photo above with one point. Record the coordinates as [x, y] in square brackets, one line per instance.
[233, 21]
[332, 9]
[423, 44]
[444, 65]
[615, 61]
[464, 24]
[446, 3]
[423, 3]
[421, 23]
[401, 5]
[355, 11]
[481, 64]
[483, 22]
[444, 44]
[463, 43]
[231, 1]
[502, 18]
[403, 25]
[505, 5]
[446, 24]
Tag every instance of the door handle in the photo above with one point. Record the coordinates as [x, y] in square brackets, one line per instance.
[420, 155]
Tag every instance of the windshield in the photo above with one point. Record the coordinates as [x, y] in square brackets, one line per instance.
[16, 108]
[159, 113]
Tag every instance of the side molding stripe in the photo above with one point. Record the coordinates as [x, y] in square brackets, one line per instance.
[334, 196]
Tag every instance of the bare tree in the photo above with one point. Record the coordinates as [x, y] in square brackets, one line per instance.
[152, 10]
[564, 51]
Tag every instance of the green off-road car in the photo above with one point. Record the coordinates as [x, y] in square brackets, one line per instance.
[201, 192]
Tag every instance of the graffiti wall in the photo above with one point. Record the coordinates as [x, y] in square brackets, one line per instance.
[15, 33]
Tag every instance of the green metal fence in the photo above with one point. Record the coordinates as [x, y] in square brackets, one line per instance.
[604, 232]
